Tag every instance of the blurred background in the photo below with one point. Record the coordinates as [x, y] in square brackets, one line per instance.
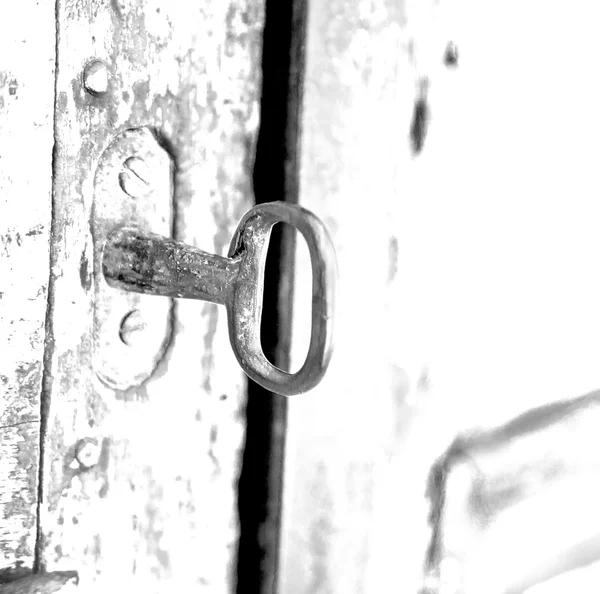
[450, 146]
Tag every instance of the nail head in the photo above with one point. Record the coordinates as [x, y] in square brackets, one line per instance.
[87, 453]
[95, 77]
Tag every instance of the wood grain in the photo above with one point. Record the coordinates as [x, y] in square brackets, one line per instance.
[156, 508]
[26, 136]
[463, 203]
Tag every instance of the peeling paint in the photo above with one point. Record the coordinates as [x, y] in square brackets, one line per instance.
[26, 109]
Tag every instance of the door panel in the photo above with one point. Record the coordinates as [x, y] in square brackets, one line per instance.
[449, 147]
[27, 40]
[139, 487]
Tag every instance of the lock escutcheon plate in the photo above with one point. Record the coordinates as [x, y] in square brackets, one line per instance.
[133, 185]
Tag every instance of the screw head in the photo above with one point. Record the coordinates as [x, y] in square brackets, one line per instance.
[132, 327]
[87, 453]
[135, 177]
[95, 77]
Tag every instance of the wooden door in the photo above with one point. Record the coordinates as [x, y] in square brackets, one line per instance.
[133, 489]
[448, 148]
[26, 141]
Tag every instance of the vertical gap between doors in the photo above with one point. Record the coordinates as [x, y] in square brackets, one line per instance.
[276, 177]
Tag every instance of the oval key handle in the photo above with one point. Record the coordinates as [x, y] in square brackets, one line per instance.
[147, 263]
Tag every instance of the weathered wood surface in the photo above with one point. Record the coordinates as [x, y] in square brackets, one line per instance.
[150, 504]
[26, 116]
[467, 254]
[58, 582]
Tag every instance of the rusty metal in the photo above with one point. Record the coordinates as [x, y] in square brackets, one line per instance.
[516, 506]
[142, 262]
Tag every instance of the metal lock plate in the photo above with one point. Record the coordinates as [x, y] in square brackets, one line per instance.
[133, 185]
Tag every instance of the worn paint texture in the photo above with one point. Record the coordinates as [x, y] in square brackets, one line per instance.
[462, 198]
[153, 506]
[58, 582]
[26, 112]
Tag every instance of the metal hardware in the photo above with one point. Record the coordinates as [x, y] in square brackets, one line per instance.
[135, 260]
[87, 453]
[133, 185]
[95, 78]
[135, 177]
[516, 506]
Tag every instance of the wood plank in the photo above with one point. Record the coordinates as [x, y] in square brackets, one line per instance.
[153, 507]
[463, 204]
[26, 135]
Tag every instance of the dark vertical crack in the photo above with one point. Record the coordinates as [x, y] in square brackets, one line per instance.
[46, 387]
[275, 178]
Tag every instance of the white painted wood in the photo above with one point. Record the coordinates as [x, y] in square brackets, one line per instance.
[154, 506]
[468, 290]
[26, 137]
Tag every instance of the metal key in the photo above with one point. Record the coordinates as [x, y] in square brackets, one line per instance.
[137, 261]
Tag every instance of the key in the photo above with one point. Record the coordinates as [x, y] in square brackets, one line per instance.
[142, 262]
